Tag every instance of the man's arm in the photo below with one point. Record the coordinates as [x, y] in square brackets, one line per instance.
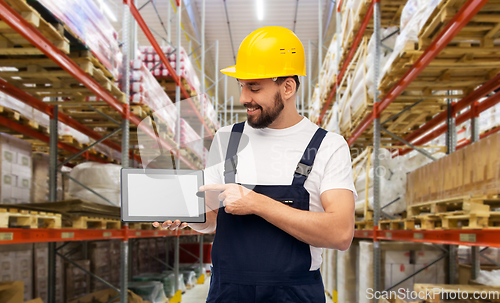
[212, 209]
[332, 229]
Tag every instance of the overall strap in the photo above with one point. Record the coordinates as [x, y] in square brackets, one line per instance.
[231, 157]
[306, 162]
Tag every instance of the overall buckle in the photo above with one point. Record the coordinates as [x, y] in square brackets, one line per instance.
[303, 169]
[230, 165]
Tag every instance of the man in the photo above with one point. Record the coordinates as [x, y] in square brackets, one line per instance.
[284, 185]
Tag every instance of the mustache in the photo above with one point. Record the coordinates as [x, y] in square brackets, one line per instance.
[252, 106]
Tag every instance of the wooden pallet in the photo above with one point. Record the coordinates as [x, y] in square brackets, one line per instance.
[390, 16]
[465, 204]
[457, 220]
[12, 43]
[52, 81]
[397, 224]
[12, 217]
[465, 221]
[192, 157]
[85, 222]
[363, 225]
[468, 61]
[39, 146]
[141, 226]
[463, 288]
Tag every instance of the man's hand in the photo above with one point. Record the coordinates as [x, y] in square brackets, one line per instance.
[171, 225]
[237, 199]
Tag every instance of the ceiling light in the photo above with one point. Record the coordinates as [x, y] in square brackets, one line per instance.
[260, 9]
[105, 8]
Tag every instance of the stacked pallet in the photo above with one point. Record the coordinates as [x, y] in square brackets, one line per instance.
[147, 92]
[153, 62]
[189, 80]
[467, 62]
[393, 183]
[85, 21]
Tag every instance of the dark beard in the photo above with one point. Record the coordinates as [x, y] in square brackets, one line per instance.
[267, 117]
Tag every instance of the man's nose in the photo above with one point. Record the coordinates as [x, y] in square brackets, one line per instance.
[245, 97]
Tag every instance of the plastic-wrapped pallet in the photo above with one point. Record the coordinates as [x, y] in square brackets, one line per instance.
[357, 98]
[16, 263]
[77, 282]
[314, 109]
[87, 21]
[39, 117]
[491, 278]
[413, 18]
[190, 139]
[346, 275]
[40, 179]
[153, 62]
[16, 170]
[328, 271]
[332, 121]
[151, 291]
[400, 260]
[189, 278]
[40, 273]
[100, 263]
[145, 89]
[102, 178]
[392, 173]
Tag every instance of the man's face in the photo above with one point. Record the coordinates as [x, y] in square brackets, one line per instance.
[262, 100]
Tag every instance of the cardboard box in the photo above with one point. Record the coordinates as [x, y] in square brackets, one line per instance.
[24, 271]
[465, 270]
[15, 169]
[399, 261]
[8, 157]
[7, 263]
[17, 193]
[11, 292]
[76, 281]
[473, 170]
[40, 270]
[39, 189]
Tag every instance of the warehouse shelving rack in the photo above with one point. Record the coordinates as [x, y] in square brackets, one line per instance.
[452, 238]
[31, 34]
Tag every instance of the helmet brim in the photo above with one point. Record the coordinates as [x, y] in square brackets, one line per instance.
[231, 71]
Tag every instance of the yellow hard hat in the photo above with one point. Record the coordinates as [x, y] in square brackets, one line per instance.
[268, 52]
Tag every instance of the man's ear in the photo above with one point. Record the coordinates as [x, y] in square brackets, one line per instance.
[289, 87]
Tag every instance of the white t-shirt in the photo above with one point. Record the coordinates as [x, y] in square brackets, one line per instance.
[270, 156]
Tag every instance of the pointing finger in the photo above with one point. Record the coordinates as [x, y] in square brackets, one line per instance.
[220, 187]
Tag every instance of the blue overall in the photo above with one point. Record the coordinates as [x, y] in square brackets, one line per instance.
[255, 261]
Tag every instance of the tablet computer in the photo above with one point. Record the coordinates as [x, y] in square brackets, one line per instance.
[158, 195]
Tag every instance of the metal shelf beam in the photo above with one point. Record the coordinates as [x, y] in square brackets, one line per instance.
[21, 235]
[30, 33]
[468, 237]
[464, 15]
[142, 24]
[477, 94]
[348, 59]
[465, 116]
[22, 129]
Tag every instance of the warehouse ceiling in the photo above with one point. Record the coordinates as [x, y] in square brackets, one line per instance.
[229, 21]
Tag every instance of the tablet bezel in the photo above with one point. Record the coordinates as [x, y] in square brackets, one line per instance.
[125, 217]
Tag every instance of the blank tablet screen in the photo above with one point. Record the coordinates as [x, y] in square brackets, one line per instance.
[162, 194]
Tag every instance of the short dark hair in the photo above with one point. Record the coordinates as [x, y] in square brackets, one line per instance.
[280, 80]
